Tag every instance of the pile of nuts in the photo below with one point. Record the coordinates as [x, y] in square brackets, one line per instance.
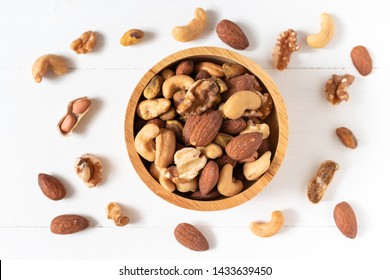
[202, 128]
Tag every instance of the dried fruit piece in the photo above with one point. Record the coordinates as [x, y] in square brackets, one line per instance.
[51, 186]
[345, 219]
[362, 60]
[85, 43]
[68, 224]
[347, 137]
[320, 182]
[89, 168]
[285, 45]
[336, 88]
[190, 237]
[231, 34]
[113, 211]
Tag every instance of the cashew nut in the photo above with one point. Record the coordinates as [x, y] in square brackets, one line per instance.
[190, 186]
[253, 170]
[222, 139]
[176, 83]
[212, 150]
[48, 62]
[227, 185]
[193, 29]
[150, 109]
[259, 127]
[165, 147]
[144, 141]
[325, 35]
[213, 69]
[236, 105]
[270, 228]
[158, 174]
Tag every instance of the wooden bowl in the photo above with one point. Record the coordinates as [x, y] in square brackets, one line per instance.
[277, 121]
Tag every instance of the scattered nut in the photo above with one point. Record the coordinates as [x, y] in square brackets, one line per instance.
[85, 43]
[285, 45]
[320, 182]
[193, 29]
[336, 88]
[77, 108]
[325, 35]
[347, 137]
[51, 186]
[113, 211]
[232, 35]
[345, 219]
[361, 58]
[270, 228]
[48, 62]
[190, 237]
[90, 170]
[132, 37]
[68, 224]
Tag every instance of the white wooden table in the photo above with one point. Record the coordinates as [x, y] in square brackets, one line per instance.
[31, 144]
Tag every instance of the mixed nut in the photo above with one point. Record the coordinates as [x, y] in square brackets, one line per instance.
[198, 134]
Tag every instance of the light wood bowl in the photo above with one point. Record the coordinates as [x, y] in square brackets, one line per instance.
[277, 121]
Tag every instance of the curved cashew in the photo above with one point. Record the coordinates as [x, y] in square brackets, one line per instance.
[165, 147]
[270, 228]
[325, 35]
[157, 173]
[193, 29]
[48, 62]
[212, 150]
[236, 105]
[144, 141]
[253, 170]
[152, 108]
[227, 185]
[176, 83]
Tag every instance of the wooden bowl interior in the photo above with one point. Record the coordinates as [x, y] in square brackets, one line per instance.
[277, 122]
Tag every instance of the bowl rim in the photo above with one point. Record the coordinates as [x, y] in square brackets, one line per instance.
[281, 117]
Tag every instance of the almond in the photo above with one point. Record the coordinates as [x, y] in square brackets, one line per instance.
[204, 128]
[185, 67]
[190, 237]
[233, 127]
[231, 34]
[67, 224]
[362, 60]
[345, 219]
[212, 195]
[208, 177]
[347, 137]
[244, 145]
[51, 186]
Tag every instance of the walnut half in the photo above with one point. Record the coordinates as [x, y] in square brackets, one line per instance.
[336, 88]
[285, 45]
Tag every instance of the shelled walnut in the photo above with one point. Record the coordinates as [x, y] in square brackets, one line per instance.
[336, 88]
[285, 45]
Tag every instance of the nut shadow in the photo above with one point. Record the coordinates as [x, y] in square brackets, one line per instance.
[129, 211]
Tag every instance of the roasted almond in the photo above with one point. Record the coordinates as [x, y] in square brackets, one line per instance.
[208, 177]
[68, 224]
[190, 237]
[347, 137]
[345, 219]
[233, 127]
[244, 145]
[205, 129]
[51, 186]
[231, 34]
[362, 60]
